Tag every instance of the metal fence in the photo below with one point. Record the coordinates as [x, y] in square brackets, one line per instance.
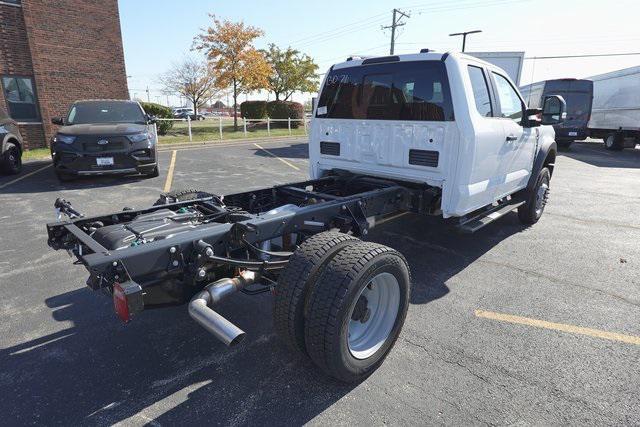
[225, 121]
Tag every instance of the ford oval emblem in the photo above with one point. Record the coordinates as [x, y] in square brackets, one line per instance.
[103, 142]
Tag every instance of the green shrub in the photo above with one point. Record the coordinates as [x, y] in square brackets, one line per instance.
[285, 110]
[161, 112]
[254, 109]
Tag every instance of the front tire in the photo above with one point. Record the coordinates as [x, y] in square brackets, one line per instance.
[154, 173]
[11, 161]
[356, 311]
[532, 210]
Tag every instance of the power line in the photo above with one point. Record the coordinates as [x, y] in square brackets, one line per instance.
[396, 21]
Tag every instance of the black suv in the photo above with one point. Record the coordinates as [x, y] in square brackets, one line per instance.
[10, 145]
[104, 137]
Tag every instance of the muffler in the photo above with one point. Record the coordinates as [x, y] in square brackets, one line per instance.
[200, 311]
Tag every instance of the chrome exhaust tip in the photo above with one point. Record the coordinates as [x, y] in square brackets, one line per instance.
[217, 325]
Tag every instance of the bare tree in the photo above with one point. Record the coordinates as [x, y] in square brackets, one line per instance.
[192, 78]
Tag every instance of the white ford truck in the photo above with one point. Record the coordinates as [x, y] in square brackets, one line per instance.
[430, 133]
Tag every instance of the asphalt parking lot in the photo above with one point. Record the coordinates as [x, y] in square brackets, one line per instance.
[511, 325]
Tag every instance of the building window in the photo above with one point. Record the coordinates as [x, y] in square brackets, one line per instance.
[11, 2]
[21, 98]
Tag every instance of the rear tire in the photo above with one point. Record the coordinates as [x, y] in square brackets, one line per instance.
[614, 142]
[297, 281]
[11, 160]
[532, 210]
[356, 310]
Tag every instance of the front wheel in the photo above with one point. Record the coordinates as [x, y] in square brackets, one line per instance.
[154, 173]
[11, 160]
[357, 310]
[532, 210]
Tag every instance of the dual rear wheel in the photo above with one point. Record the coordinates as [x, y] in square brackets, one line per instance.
[342, 302]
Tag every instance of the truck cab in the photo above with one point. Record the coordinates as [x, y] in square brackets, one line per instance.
[450, 121]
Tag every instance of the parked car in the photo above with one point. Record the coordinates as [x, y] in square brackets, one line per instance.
[178, 112]
[11, 144]
[384, 140]
[104, 137]
[186, 115]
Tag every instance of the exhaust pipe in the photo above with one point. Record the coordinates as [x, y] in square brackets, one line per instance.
[200, 311]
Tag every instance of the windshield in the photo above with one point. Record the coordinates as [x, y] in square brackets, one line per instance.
[577, 94]
[416, 90]
[105, 112]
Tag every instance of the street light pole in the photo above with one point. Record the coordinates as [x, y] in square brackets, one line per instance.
[464, 37]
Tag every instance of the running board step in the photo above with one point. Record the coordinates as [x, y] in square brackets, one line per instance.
[486, 217]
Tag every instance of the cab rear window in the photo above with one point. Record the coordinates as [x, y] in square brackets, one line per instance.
[407, 90]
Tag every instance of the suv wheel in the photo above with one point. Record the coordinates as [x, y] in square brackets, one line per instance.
[11, 162]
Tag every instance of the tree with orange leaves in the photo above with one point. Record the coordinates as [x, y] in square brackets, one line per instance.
[237, 63]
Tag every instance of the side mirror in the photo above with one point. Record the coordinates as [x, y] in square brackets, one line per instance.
[554, 110]
[57, 121]
[151, 119]
[533, 117]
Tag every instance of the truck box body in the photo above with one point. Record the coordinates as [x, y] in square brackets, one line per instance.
[511, 62]
[616, 102]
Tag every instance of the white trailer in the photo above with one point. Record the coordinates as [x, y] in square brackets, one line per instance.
[615, 116]
[511, 62]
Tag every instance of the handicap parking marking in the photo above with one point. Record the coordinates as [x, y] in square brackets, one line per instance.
[562, 327]
[27, 175]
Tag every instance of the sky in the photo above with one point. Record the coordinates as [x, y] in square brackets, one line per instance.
[158, 33]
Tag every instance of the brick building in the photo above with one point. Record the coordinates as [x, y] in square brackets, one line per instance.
[53, 52]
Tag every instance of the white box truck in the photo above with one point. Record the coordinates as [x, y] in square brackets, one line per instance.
[510, 62]
[615, 115]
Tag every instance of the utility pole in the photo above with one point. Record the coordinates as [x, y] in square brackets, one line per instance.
[464, 36]
[396, 22]
[148, 96]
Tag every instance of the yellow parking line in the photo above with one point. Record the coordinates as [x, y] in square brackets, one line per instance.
[596, 333]
[279, 158]
[27, 175]
[172, 166]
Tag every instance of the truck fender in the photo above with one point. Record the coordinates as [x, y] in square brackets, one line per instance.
[546, 156]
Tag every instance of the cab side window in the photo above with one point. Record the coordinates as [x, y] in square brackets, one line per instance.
[510, 103]
[480, 91]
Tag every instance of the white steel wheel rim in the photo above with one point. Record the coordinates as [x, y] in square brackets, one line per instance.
[541, 197]
[366, 334]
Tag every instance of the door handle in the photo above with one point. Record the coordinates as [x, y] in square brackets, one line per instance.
[512, 137]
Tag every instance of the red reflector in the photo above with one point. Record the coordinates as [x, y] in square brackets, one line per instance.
[120, 303]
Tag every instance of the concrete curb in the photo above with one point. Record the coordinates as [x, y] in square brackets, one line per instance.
[162, 146]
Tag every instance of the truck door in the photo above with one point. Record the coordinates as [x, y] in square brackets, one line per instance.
[519, 142]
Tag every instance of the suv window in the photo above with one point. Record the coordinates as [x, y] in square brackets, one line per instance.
[510, 103]
[406, 90]
[480, 91]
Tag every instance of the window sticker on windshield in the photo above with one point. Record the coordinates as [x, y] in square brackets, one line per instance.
[104, 111]
[322, 110]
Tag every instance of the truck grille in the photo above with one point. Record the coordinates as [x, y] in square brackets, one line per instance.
[90, 144]
[424, 158]
[330, 148]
